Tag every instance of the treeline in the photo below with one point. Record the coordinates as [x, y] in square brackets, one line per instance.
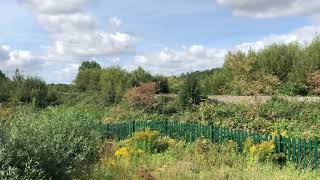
[279, 69]
[113, 82]
[20, 89]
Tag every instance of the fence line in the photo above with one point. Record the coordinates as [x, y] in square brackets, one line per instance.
[303, 152]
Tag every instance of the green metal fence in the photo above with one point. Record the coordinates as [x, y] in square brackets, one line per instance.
[301, 151]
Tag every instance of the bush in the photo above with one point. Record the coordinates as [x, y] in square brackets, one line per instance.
[190, 92]
[142, 96]
[165, 105]
[314, 80]
[55, 144]
[293, 89]
[4, 89]
[278, 108]
[260, 152]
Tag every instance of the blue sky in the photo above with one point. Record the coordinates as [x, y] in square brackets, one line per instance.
[50, 38]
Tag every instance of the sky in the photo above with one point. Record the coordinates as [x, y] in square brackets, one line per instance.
[50, 38]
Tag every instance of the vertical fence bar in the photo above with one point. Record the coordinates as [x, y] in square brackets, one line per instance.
[212, 133]
[304, 145]
[316, 158]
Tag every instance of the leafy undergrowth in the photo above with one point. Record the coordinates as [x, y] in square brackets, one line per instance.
[55, 143]
[298, 119]
[148, 156]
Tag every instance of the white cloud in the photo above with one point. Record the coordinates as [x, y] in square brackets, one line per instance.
[302, 35]
[55, 7]
[4, 53]
[272, 8]
[75, 32]
[12, 59]
[115, 22]
[198, 57]
[75, 37]
[169, 61]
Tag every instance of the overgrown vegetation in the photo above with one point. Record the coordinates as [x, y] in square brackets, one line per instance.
[56, 131]
[136, 158]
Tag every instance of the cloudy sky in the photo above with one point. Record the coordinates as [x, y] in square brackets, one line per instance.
[50, 38]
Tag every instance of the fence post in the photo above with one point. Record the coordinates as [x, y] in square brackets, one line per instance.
[166, 127]
[108, 127]
[316, 158]
[212, 132]
[133, 126]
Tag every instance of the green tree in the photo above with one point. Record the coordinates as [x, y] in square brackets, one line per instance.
[163, 85]
[4, 87]
[280, 59]
[190, 92]
[139, 76]
[88, 80]
[89, 65]
[34, 91]
[114, 82]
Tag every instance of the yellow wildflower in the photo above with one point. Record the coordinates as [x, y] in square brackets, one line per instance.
[122, 152]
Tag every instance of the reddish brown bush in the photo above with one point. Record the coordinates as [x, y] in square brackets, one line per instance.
[314, 80]
[143, 95]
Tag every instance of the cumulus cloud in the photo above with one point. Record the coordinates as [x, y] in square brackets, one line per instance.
[302, 35]
[199, 57]
[75, 32]
[12, 59]
[75, 37]
[169, 61]
[272, 8]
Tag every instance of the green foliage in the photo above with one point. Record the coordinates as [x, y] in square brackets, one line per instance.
[4, 88]
[146, 141]
[87, 65]
[163, 84]
[190, 92]
[292, 89]
[30, 90]
[88, 80]
[114, 82]
[261, 152]
[139, 76]
[53, 144]
[174, 84]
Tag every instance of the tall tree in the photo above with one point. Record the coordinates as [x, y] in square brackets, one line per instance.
[114, 82]
[88, 77]
[89, 65]
[139, 76]
[190, 92]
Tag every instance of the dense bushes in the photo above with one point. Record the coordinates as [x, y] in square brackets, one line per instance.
[189, 93]
[261, 72]
[26, 90]
[4, 88]
[55, 143]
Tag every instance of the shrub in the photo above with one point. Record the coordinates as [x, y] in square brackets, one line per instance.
[165, 105]
[314, 80]
[278, 108]
[190, 92]
[260, 152]
[55, 144]
[142, 96]
[292, 89]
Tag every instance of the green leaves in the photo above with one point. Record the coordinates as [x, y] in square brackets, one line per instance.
[58, 143]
